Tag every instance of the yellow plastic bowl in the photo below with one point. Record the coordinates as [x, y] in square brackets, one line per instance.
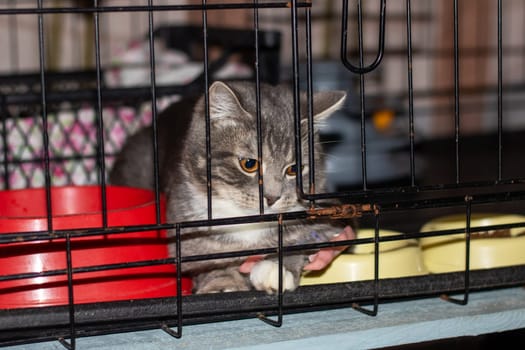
[396, 259]
[487, 249]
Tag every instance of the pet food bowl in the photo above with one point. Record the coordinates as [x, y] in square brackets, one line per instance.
[399, 258]
[488, 249]
[77, 208]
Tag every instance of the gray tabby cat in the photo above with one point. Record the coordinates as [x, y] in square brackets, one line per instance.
[182, 164]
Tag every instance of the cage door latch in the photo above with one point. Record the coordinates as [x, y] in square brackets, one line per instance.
[344, 211]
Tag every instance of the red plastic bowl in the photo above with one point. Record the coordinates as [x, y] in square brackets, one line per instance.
[74, 208]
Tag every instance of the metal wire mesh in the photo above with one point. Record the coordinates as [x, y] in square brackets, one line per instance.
[65, 128]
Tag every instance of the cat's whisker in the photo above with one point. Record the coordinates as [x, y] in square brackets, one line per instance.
[329, 142]
[332, 156]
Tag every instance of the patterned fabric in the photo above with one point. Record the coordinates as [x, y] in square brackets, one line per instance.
[73, 144]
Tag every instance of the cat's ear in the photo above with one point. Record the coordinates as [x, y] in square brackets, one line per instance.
[327, 102]
[224, 103]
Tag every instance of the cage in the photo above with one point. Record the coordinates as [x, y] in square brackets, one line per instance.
[426, 149]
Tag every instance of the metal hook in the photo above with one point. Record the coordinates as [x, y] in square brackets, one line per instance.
[178, 333]
[375, 307]
[262, 316]
[344, 36]
[71, 345]
[464, 300]
[66, 344]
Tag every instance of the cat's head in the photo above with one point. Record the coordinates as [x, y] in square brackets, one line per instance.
[234, 146]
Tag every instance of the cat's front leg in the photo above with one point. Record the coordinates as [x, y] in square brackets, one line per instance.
[264, 275]
[221, 280]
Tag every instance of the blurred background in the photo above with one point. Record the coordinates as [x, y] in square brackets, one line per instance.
[385, 118]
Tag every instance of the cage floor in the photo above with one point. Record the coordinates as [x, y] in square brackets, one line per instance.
[95, 319]
[399, 322]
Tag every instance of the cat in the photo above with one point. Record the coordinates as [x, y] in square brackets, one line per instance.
[235, 189]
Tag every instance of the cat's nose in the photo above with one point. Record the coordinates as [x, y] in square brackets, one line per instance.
[270, 200]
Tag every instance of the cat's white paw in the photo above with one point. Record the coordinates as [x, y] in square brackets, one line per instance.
[265, 276]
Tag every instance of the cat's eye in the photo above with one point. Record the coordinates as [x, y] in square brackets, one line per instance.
[249, 165]
[292, 170]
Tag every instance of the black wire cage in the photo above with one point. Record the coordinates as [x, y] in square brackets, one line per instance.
[449, 147]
